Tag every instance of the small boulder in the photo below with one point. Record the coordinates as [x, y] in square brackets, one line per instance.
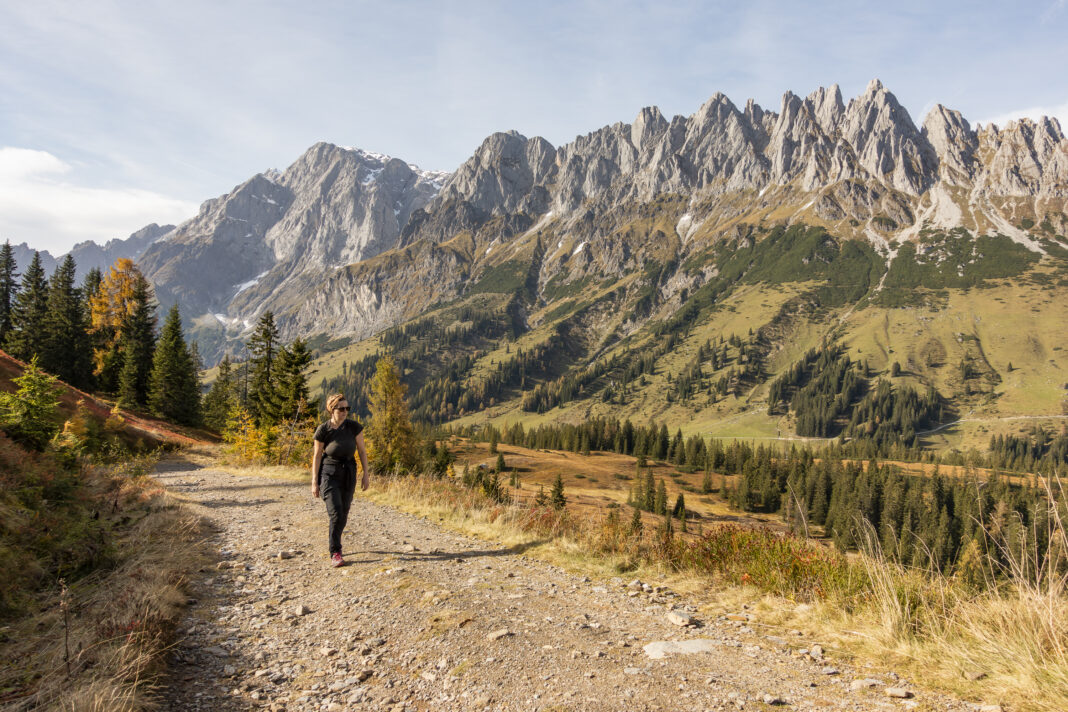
[899, 693]
[680, 618]
[498, 634]
[865, 684]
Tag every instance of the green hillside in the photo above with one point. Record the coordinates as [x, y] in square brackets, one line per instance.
[696, 337]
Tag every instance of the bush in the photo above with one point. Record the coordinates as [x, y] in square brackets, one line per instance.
[30, 414]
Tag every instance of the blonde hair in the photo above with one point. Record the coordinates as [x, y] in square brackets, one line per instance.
[332, 402]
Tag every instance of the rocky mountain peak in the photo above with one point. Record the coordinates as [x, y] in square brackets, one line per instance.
[827, 108]
[1026, 158]
[954, 142]
[649, 124]
[886, 141]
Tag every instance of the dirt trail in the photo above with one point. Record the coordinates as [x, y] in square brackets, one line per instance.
[425, 619]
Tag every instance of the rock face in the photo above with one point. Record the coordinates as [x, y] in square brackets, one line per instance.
[349, 243]
[278, 234]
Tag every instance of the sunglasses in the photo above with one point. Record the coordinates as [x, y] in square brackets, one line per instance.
[343, 407]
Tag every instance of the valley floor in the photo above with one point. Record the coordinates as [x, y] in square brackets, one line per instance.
[426, 619]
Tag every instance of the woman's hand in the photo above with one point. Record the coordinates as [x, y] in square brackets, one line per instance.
[315, 489]
[365, 481]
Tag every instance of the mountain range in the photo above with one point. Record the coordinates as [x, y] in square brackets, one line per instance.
[303, 242]
[831, 210]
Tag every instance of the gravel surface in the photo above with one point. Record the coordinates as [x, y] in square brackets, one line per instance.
[424, 619]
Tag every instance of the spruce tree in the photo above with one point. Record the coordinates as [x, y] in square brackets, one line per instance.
[390, 435]
[8, 289]
[706, 481]
[679, 510]
[66, 350]
[222, 397]
[290, 396]
[635, 528]
[649, 494]
[500, 462]
[173, 390]
[28, 312]
[541, 499]
[137, 342]
[660, 501]
[556, 495]
[263, 347]
[30, 415]
[91, 285]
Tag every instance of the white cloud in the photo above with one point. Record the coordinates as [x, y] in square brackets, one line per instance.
[1036, 112]
[42, 203]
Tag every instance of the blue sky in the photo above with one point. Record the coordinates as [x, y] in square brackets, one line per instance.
[118, 113]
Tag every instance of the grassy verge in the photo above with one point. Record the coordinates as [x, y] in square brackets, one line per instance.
[936, 631]
[87, 631]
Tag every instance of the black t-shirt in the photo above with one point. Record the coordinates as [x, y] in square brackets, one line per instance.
[340, 442]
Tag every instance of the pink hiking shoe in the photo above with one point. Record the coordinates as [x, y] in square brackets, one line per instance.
[336, 560]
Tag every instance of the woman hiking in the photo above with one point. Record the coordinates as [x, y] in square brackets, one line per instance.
[334, 468]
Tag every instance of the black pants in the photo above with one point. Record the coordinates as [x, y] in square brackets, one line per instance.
[337, 484]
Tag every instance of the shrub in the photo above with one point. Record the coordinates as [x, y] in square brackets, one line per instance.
[30, 414]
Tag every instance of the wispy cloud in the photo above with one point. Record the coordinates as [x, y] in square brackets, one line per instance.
[43, 203]
[1060, 112]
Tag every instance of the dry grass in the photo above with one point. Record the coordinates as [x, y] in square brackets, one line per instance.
[931, 629]
[99, 644]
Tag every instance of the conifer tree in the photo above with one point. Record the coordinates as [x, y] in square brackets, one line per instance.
[8, 289]
[649, 494]
[263, 347]
[706, 481]
[500, 462]
[90, 286]
[137, 342]
[556, 495]
[660, 502]
[65, 351]
[679, 510]
[390, 435]
[662, 443]
[635, 528]
[222, 397]
[28, 312]
[290, 394]
[173, 390]
[30, 414]
[111, 306]
[541, 499]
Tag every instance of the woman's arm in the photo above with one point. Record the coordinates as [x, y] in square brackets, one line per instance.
[365, 481]
[317, 460]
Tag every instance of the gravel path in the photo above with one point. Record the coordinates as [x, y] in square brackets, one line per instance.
[425, 619]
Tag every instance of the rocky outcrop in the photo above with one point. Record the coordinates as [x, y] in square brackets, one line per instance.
[334, 206]
[814, 144]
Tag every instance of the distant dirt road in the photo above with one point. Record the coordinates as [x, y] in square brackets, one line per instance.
[424, 619]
